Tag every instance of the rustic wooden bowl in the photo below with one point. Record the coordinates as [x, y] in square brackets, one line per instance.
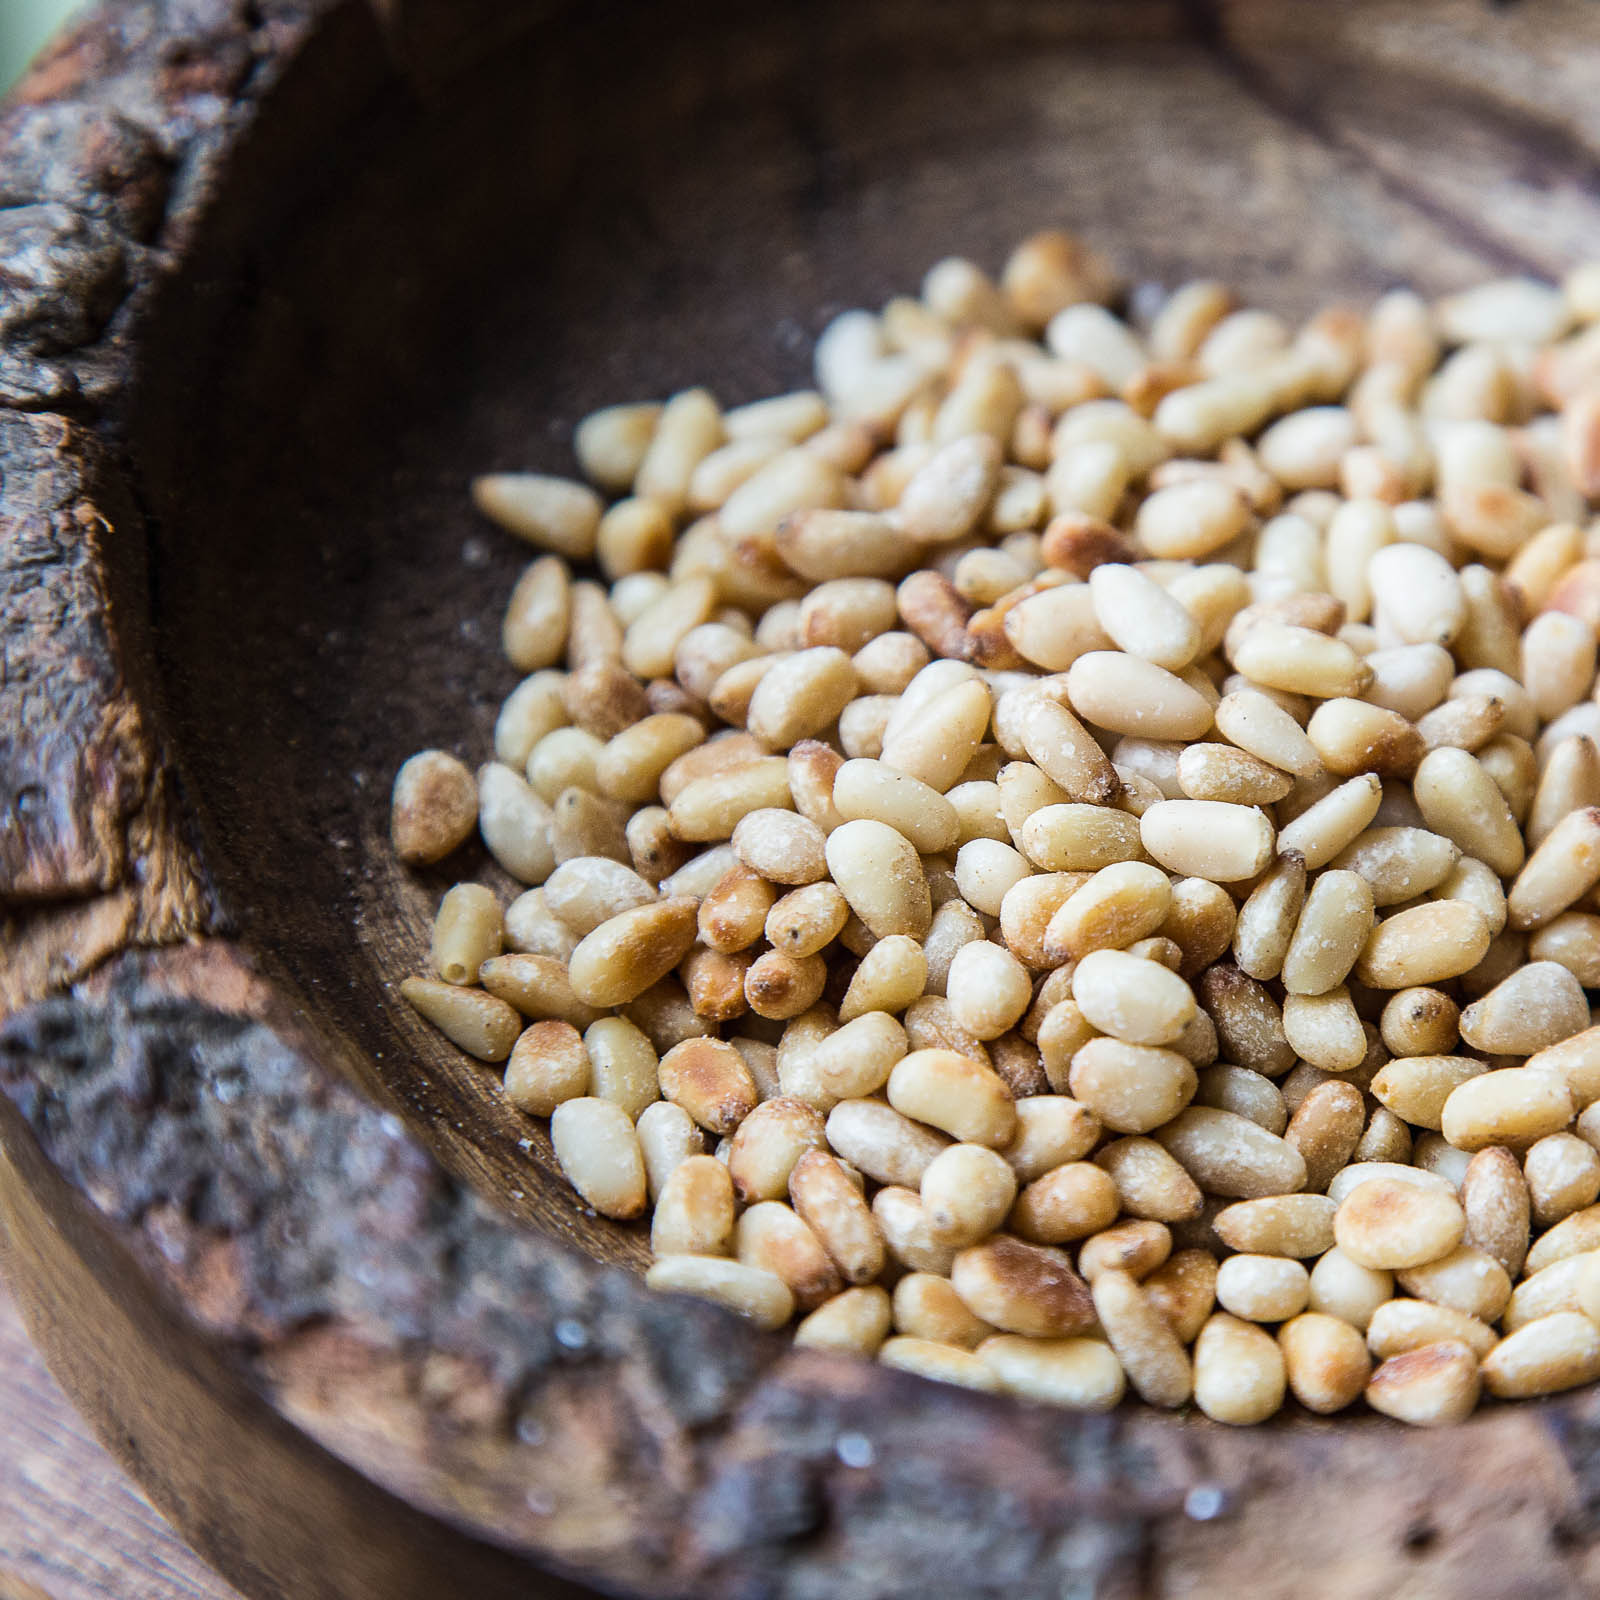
[275, 278]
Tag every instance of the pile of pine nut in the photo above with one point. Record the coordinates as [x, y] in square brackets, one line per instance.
[1066, 858]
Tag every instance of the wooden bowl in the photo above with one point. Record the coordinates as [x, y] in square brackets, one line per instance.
[275, 279]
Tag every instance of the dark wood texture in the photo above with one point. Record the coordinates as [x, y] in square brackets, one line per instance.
[275, 279]
[71, 1524]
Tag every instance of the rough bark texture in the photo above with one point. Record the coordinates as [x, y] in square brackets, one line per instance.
[340, 1370]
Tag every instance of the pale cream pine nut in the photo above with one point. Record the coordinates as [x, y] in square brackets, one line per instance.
[1343, 1288]
[1304, 449]
[537, 986]
[1570, 782]
[1189, 521]
[548, 1065]
[1563, 1175]
[1461, 801]
[632, 592]
[556, 514]
[988, 989]
[687, 430]
[1052, 1129]
[941, 1363]
[1352, 737]
[1231, 1156]
[1289, 557]
[778, 986]
[823, 545]
[872, 791]
[630, 766]
[967, 1192]
[1538, 1005]
[1086, 479]
[468, 930]
[694, 1211]
[1142, 618]
[877, 1140]
[946, 495]
[599, 1155]
[1136, 1001]
[1330, 933]
[1551, 1289]
[767, 1145]
[1055, 626]
[634, 538]
[1398, 1326]
[1149, 1183]
[1131, 1088]
[1247, 1093]
[887, 664]
[855, 1322]
[726, 752]
[781, 846]
[1077, 1374]
[1387, 1138]
[1155, 762]
[857, 1058]
[1119, 905]
[1062, 748]
[1277, 656]
[1416, 1088]
[610, 444]
[1544, 1357]
[667, 1137]
[1267, 920]
[588, 890]
[1325, 1030]
[790, 481]
[801, 696]
[1466, 1280]
[733, 691]
[481, 1024]
[1399, 863]
[1024, 788]
[1431, 1386]
[1090, 334]
[1262, 728]
[904, 1225]
[1125, 694]
[759, 1296]
[1564, 868]
[1325, 1361]
[1294, 1225]
[515, 823]
[956, 1094]
[629, 952]
[1151, 1356]
[1573, 940]
[1221, 772]
[1411, 679]
[1424, 944]
[1208, 839]
[1558, 661]
[710, 808]
[1478, 885]
[940, 738]
[1433, 1153]
[928, 1307]
[536, 707]
[1248, 1020]
[891, 977]
[879, 873]
[833, 1207]
[1417, 595]
[1078, 837]
[665, 1016]
[1062, 1031]
[1513, 1107]
[1494, 1196]
[1262, 1288]
[1384, 1223]
[710, 1080]
[733, 912]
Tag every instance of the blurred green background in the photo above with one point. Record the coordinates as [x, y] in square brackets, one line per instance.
[24, 26]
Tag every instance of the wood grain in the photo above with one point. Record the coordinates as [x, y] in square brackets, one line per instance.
[72, 1525]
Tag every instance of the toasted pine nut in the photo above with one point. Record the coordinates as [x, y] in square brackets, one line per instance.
[760, 1296]
[1423, 945]
[548, 1065]
[1514, 1106]
[710, 1080]
[1343, 1288]
[1325, 1361]
[1229, 1155]
[694, 1211]
[1545, 1356]
[1248, 1020]
[1387, 1224]
[1429, 1386]
[1078, 1374]
[629, 952]
[892, 974]
[1144, 1342]
[767, 1145]
[1295, 1225]
[941, 1362]
[769, 1235]
[1263, 1288]
[877, 1140]
[481, 1024]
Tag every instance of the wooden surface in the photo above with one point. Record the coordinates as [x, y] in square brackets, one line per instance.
[72, 1524]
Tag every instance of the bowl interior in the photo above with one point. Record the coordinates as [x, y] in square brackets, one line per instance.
[405, 285]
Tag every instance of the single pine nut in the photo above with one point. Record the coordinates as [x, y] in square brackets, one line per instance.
[1325, 827]
[1136, 1001]
[1263, 1288]
[548, 1065]
[629, 952]
[1023, 1288]
[1239, 1373]
[667, 1138]
[1229, 1155]
[1514, 1106]
[599, 1155]
[694, 1211]
[1325, 1361]
[891, 976]
[879, 873]
[855, 1322]
[967, 1191]
[770, 1236]
[1383, 1223]
[759, 1296]
[1423, 945]
[954, 1093]
[1294, 1225]
[1151, 1356]
[1078, 1374]
[767, 1145]
[1208, 838]
[1466, 1280]
[481, 1024]
[1430, 1386]
[878, 1141]
[1344, 1288]
[1545, 1356]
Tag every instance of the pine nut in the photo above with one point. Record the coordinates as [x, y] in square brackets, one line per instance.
[1294, 1225]
[1562, 870]
[754, 1293]
[1343, 1288]
[1545, 1356]
[1149, 1351]
[548, 1065]
[1382, 1223]
[667, 1138]
[879, 873]
[1423, 945]
[1229, 1155]
[434, 807]
[855, 1322]
[1262, 1288]
[599, 1155]
[481, 1024]
[1208, 839]
[1430, 1386]
[768, 1144]
[878, 1141]
[955, 1094]
[892, 974]
[1136, 1001]
[694, 1213]
[1514, 1106]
